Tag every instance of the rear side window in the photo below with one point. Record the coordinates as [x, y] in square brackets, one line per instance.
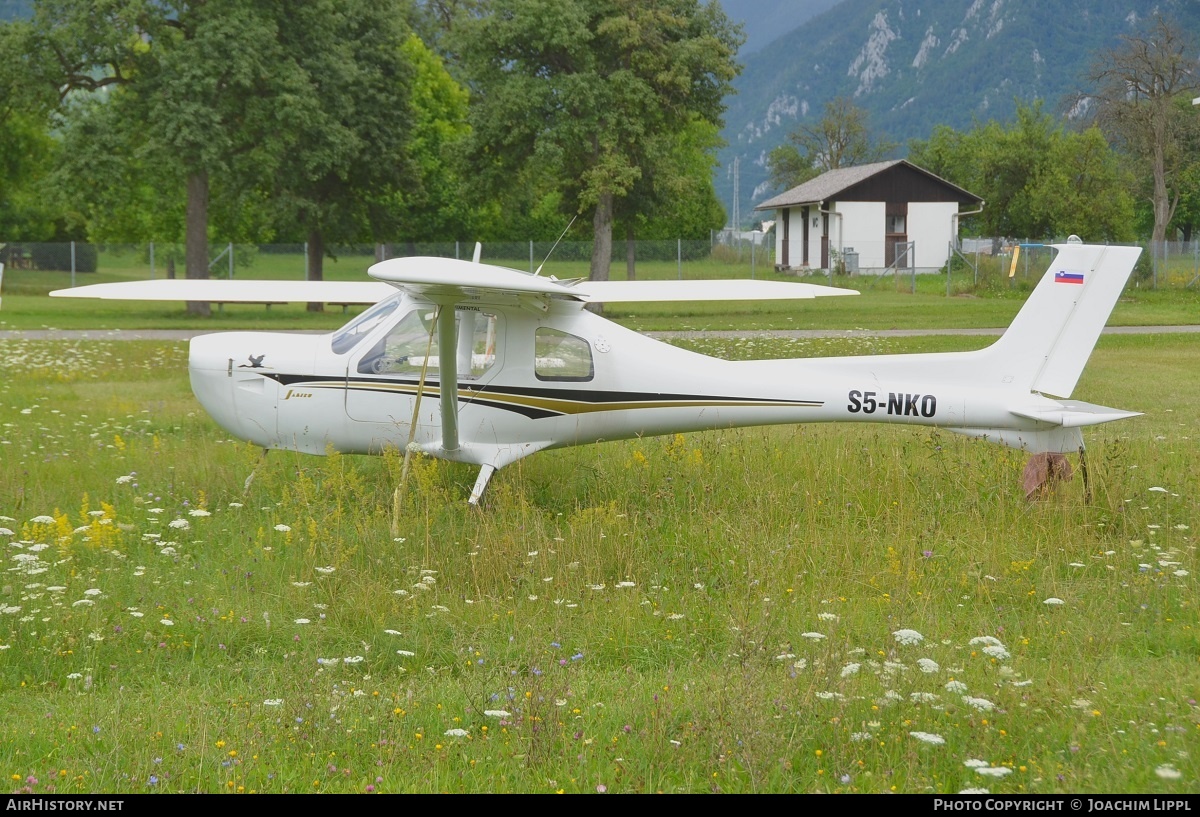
[560, 356]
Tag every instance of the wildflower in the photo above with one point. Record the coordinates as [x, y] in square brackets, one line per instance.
[353, 659]
[456, 733]
[1053, 601]
[955, 687]
[198, 512]
[91, 591]
[406, 653]
[827, 616]
[986, 640]
[928, 737]
[982, 704]
[125, 480]
[908, 637]
[179, 524]
[497, 713]
[927, 665]
[273, 702]
[283, 528]
[812, 636]
[1168, 772]
[166, 622]
[994, 771]
[42, 520]
[850, 669]
[996, 651]
[303, 621]
[675, 616]
[326, 570]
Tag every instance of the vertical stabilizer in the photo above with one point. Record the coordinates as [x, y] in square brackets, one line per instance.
[1049, 342]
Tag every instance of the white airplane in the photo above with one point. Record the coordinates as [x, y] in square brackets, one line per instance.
[486, 365]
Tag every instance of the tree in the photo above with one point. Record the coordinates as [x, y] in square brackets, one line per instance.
[840, 138]
[1037, 179]
[1135, 90]
[204, 80]
[348, 121]
[583, 87]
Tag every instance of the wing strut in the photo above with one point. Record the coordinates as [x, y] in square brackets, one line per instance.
[448, 374]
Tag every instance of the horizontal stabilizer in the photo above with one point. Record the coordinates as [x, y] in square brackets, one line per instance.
[218, 290]
[1074, 414]
[725, 290]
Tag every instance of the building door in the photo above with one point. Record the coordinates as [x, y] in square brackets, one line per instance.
[824, 241]
[804, 235]
[783, 249]
[896, 232]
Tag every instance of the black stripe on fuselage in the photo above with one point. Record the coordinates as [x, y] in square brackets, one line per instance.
[493, 396]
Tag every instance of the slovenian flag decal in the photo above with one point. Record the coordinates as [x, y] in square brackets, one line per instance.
[1068, 277]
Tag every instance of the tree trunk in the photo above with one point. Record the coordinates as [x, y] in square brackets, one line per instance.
[196, 250]
[316, 263]
[630, 254]
[602, 238]
[171, 267]
[1161, 200]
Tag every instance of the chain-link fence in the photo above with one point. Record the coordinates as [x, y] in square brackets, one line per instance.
[976, 264]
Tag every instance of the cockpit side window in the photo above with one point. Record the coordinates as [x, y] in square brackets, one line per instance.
[349, 335]
[413, 342]
[560, 356]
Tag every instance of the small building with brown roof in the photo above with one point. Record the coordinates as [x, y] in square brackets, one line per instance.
[882, 215]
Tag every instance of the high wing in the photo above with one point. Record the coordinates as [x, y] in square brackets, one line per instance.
[219, 290]
[438, 278]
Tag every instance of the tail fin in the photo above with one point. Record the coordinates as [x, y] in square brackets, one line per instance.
[1050, 340]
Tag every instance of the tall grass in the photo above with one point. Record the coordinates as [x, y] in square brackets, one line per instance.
[793, 609]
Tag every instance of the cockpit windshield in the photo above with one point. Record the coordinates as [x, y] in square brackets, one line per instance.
[349, 335]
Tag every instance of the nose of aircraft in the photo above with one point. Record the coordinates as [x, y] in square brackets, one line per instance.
[233, 377]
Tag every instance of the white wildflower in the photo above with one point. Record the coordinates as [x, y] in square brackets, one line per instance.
[997, 652]
[353, 659]
[166, 622]
[1052, 601]
[198, 512]
[456, 733]
[812, 636]
[994, 771]
[928, 737]
[982, 704]
[908, 637]
[303, 621]
[326, 570]
[955, 687]
[283, 528]
[42, 520]
[92, 591]
[405, 653]
[928, 665]
[180, 524]
[1168, 772]
[273, 702]
[850, 669]
[497, 713]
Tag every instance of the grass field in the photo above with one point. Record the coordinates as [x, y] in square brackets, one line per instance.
[796, 609]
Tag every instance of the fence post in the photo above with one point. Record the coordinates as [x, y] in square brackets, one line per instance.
[152, 260]
[679, 257]
[230, 260]
[531, 256]
[304, 277]
[949, 263]
[72, 264]
[456, 250]
[753, 252]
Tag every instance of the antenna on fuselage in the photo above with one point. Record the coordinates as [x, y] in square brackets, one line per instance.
[478, 252]
[560, 238]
